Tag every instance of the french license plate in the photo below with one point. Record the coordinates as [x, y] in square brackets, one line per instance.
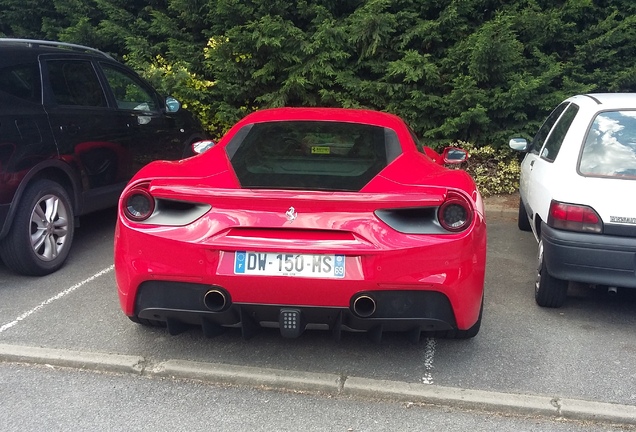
[286, 264]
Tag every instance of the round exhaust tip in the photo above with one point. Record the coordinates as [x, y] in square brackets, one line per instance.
[215, 300]
[364, 306]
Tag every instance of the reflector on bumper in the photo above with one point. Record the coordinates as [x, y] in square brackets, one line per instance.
[291, 323]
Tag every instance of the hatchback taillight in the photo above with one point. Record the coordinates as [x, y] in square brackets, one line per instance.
[574, 217]
[455, 214]
[138, 204]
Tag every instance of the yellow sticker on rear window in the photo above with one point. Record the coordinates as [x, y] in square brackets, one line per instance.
[320, 150]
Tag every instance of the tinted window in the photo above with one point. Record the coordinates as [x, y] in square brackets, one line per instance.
[74, 82]
[311, 155]
[128, 90]
[553, 144]
[610, 146]
[540, 137]
[22, 81]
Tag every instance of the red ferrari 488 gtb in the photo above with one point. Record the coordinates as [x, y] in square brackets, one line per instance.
[305, 218]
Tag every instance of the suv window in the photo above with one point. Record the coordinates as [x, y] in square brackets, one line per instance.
[610, 146]
[540, 137]
[553, 144]
[129, 92]
[22, 81]
[74, 82]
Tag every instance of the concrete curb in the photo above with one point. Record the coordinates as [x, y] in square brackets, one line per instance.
[74, 359]
[597, 411]
[249, 376]
[500, 205]
[500, 209]
[553, 407]
[451, 396]
[492, 211]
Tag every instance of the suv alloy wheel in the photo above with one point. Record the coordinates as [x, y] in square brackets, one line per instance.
[42, 232]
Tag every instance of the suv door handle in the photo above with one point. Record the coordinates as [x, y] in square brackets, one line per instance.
[531, 164]
[70, 129]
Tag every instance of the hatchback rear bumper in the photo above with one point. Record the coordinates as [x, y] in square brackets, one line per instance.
[590, 258]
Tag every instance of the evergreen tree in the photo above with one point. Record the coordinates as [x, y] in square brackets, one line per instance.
[472, 70]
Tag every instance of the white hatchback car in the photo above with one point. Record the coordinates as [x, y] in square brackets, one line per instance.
[578, 195]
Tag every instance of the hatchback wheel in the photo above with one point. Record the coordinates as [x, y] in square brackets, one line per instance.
[42, 231]
[548, 290]
[522, 220]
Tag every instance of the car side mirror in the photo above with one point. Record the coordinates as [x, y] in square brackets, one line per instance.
[202, 146]
[454, 155]
[172, 105]
[518, 144]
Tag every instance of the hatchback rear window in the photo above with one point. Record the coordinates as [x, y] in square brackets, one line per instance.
[312, 155]
[610, 146]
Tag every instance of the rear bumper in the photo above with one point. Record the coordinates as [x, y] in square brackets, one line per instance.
[590, 258]
[436, 281]
[179, 304]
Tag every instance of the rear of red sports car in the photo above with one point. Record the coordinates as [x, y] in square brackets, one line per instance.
[301, 219]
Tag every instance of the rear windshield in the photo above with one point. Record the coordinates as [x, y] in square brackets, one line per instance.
[610, 147]
[311, 155]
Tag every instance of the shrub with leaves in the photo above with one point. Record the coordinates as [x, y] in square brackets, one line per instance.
[188, 87]
[496, 171]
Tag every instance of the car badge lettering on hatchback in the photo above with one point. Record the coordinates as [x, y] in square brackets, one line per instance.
[291, 214]
[622, 219]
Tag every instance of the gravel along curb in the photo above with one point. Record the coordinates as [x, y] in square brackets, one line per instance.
[325, 383]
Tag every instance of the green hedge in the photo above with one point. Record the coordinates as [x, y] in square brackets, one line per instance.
[496, 171]
[470, 70]
[477, 71]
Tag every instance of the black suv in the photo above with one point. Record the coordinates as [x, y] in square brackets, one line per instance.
[75, 125]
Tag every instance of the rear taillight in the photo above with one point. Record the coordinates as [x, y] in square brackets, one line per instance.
[574, 217]
[455, 214]
[138, 204]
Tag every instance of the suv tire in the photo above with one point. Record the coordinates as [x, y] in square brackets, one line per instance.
[548, 290]
[41, 234]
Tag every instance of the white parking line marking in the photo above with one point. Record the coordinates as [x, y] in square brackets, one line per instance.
[429, 354]
[55, 297]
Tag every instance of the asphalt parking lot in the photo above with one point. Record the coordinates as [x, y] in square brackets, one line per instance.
[585, 351]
